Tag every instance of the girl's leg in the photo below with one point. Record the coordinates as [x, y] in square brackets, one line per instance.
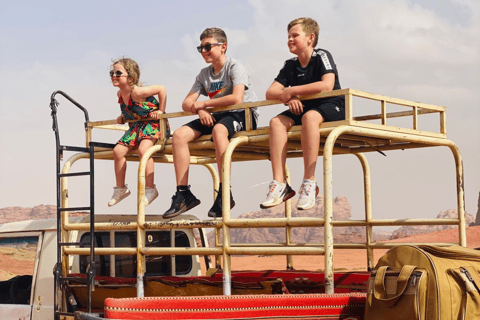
[181, 152]
[310, 142]
[145, 144]
[120, 163]
[278, 145]
[220, 139]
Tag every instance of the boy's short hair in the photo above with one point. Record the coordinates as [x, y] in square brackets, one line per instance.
[308, 26]
[216, 33]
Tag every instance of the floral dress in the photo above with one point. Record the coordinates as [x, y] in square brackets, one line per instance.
[140, 130]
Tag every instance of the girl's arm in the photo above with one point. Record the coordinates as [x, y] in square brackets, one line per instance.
[120, 118]
[141, 93]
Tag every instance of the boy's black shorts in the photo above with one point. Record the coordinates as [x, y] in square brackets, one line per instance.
[233, 121]
[328, 110]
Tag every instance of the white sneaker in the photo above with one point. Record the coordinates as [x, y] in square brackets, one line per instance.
[308, 192]
[150, 195]
[119, 194]
[277, 193]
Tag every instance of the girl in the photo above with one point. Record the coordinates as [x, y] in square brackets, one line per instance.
[136, 102]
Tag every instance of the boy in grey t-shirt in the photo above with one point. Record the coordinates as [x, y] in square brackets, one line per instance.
[225, 82]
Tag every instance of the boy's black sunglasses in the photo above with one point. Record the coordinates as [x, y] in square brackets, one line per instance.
[208, 46]
[116, 74]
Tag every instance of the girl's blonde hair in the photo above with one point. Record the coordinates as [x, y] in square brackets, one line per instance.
[132, 68]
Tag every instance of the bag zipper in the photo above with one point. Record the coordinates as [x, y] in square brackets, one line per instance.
[469, 277]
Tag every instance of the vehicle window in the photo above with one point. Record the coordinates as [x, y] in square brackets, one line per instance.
[17, 263]
[126, 266]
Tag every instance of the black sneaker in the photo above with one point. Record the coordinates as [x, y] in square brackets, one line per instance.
[181, 202]
[216, 210]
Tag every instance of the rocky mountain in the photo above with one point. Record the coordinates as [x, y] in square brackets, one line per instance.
[341, 211]
[407, 231]
[12, 214]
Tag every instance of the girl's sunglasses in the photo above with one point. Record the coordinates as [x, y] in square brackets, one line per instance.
[208, 46]
[116, 74]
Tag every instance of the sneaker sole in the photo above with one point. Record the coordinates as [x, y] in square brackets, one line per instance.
[311, 205]
[279, 201]
[150, 202]
[182, 210]
[212, 214]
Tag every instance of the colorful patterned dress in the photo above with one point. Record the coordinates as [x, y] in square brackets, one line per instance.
[142, 129]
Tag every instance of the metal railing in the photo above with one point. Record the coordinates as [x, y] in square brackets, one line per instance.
[354, 135]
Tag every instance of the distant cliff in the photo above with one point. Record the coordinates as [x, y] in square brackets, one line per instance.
[341, 211]
[407, 231]
[12, 214]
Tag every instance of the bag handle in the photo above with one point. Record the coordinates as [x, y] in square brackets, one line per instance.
[402, 282]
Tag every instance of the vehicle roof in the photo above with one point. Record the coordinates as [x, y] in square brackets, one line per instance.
[51, 224]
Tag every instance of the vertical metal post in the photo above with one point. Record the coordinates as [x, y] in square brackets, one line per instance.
[92, 271]
[227, 160]
[288, 215]
[172, 257]
[112, 257]
[460, 194]
[216, 184]
[368, 208]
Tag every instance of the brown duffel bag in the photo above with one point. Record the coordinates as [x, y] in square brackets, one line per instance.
[426, 283]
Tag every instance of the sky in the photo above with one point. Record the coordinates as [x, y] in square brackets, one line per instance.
[425, 51]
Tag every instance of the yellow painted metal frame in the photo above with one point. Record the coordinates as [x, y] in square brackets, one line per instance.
[354, 135]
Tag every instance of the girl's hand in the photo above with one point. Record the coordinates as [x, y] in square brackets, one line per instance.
[121, 119]
[206, 118]
[155, 114]
[295, 105]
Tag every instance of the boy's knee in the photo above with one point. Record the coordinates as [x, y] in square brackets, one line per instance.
[280, 123]
[219, 131]
[179, 136]
[274, 122]
[312, 117]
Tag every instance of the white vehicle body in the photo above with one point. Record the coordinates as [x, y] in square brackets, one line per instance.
[40, 236]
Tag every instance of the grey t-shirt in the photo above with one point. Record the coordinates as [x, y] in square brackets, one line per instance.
[217, 86]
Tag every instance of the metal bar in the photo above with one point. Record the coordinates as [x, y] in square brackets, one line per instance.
[72, 148]
[101, 251]
[368, 209]
[112, 257]
[86, 173]
[70, 243]
[172, 257]
[74, 209]
[288, 215]
[226, 167]
[328, 211]
[92, 269]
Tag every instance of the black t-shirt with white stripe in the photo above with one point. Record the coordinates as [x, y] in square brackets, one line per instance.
[321, 63]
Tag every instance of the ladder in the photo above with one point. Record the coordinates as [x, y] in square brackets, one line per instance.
[59, 279]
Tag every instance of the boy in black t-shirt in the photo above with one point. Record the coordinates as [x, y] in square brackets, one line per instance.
[312, 71]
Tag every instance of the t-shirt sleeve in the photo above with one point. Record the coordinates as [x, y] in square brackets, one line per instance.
[284, 75]
[198, 87]
[239, 75]
[326, 65]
